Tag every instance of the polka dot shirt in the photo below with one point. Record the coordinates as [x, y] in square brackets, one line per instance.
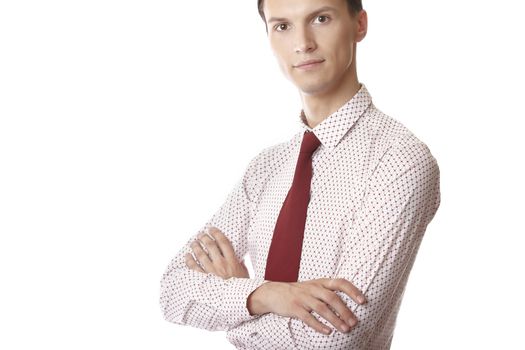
[374, 190]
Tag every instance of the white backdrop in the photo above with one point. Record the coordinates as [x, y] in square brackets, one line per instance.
[116, 120]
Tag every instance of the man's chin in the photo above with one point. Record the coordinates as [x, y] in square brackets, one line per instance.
[312, 89]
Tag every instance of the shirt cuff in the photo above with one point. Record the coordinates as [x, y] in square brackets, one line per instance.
[235, 296]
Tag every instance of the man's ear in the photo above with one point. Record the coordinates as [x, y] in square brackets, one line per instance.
[362, 25]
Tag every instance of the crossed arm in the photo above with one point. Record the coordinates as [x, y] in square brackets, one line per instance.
[204, 299]
[296, 299]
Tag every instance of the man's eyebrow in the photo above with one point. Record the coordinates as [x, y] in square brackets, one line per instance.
[324, 8]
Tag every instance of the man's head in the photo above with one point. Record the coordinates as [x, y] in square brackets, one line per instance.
[322, 30]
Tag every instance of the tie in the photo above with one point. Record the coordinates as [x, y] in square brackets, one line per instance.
[284, 255]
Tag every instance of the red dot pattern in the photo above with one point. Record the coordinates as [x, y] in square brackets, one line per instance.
[374, 190]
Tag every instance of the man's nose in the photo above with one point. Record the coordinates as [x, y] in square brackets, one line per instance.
[304, 41]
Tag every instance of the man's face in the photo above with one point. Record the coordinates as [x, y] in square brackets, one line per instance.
[322, 30]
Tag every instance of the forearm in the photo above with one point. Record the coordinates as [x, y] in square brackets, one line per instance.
[275, 329]
[297, 302]
[204, 300]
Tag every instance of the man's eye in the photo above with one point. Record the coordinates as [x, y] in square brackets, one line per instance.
[281, 27]
[322, 18]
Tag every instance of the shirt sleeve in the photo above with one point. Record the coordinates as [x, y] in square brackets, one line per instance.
[204, 300]
[383, 238]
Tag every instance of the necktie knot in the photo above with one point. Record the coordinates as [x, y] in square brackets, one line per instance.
[310, 143]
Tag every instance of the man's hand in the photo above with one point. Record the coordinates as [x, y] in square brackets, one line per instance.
[299, 299]
[220, 257]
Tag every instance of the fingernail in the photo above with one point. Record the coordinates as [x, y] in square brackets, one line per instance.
[360, 299]
[345, 328]
[327, 331]
[352, 322]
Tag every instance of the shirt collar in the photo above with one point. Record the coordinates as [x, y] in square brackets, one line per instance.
[332, 129]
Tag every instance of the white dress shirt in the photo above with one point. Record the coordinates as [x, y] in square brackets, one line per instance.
[374, 190]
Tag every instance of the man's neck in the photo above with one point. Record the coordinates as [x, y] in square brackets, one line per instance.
[319, 107]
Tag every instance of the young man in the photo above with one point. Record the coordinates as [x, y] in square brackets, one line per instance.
[332, 219]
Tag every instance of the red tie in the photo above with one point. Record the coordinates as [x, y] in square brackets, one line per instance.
[284, 256]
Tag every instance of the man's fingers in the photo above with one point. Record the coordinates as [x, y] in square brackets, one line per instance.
[345, 286]
[202, 256]
[312, 322]
[213, 250]
[332, 305]
[224, 243]
[192, 264]
[328, 314]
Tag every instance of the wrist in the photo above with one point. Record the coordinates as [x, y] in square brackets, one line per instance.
[255, 303]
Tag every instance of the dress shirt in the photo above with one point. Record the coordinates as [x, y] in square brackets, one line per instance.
[374, 189]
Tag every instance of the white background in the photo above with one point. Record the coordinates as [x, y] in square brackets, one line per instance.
[124, 125]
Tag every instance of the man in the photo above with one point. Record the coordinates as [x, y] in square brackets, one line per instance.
[332, 219]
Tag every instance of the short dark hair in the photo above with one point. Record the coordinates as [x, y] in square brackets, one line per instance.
[354, 6]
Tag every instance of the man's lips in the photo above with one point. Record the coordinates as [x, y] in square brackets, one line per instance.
[308, 63]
